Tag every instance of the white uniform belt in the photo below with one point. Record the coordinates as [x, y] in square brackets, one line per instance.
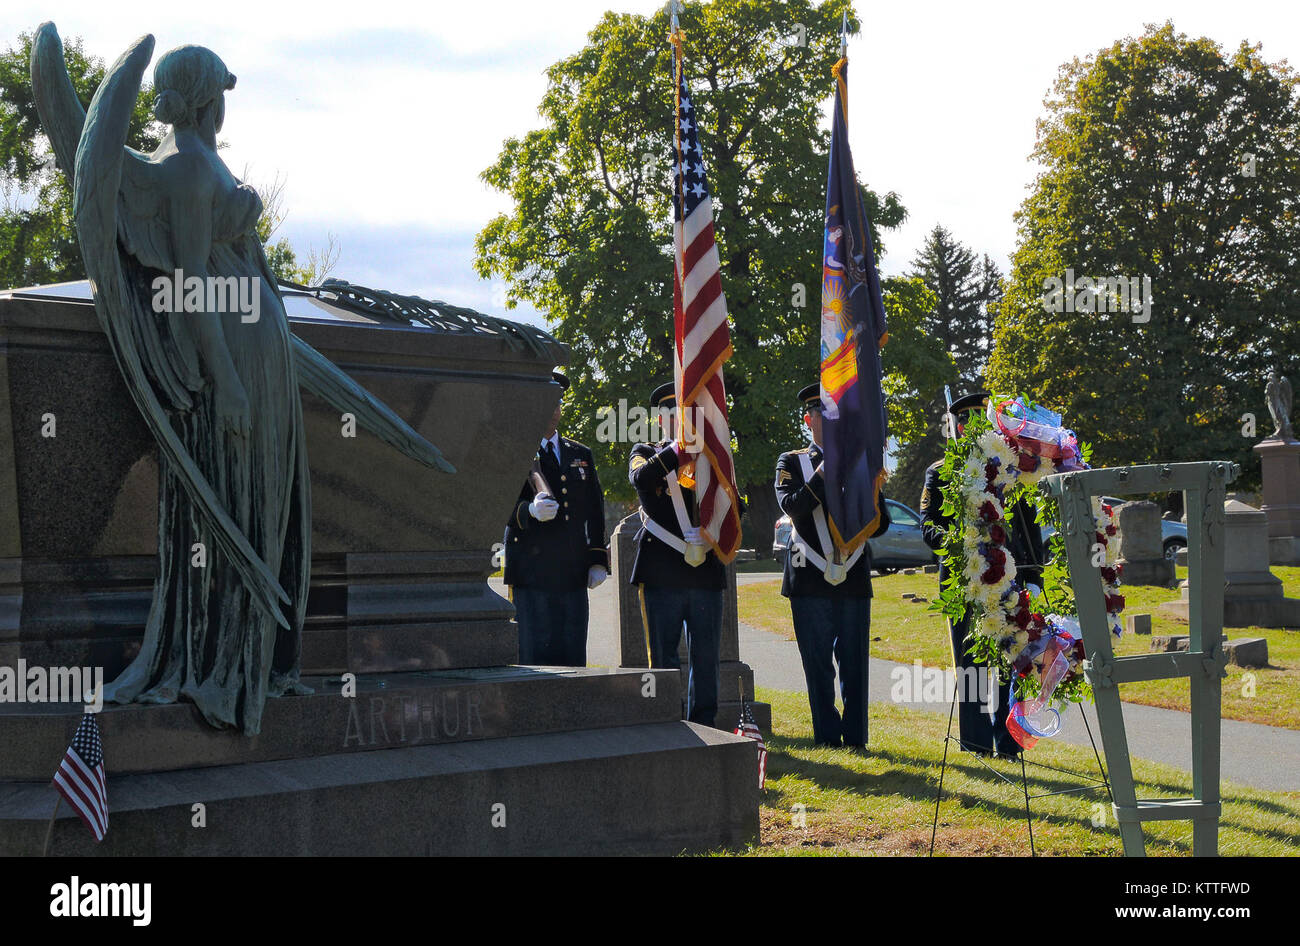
[679, 508]
[819, 556]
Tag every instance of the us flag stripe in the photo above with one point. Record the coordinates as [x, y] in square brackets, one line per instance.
[702, 340]
[80, 777]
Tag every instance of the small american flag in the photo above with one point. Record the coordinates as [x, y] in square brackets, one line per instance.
[702, 336]
[80, 778]
[749, 729]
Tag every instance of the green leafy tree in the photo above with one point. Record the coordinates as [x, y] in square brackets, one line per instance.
[589, 239]
[38, 241]
[38, 238]
[965, 289]
[1162, 157]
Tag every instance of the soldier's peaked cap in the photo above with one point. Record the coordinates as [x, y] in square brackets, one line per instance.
[811, 396]
[664, 396]
[976, 400]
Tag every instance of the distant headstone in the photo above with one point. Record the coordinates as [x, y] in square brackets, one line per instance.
[931, 569]
[1247, 651]
[1138, 624]
[1173, 643]
[1252, 595]
[1141, 547]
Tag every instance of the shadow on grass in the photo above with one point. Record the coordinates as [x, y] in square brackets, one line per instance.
[969, 783]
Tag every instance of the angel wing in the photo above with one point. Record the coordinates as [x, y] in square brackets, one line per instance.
[149, 348]
[97, 167]
[1284, 386]
[169, 357]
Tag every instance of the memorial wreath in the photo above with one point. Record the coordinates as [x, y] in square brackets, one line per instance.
[1028, 635]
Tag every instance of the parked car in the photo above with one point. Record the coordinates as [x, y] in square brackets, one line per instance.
[901, 545]
[1173, 534]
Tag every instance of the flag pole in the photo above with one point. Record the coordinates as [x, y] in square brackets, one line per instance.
[49, 832]
[837, 555]
[675, 38]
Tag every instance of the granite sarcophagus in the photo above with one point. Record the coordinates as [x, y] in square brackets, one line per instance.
[400, 553]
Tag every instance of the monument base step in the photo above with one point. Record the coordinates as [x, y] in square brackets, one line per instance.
[391, 710]
[659, 788]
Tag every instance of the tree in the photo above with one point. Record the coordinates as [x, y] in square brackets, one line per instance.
[38, 238]
[588, 241]
[280, 255]
[1165, 159]
[965, 290]
[38, 241]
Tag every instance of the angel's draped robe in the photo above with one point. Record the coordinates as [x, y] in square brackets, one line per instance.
[206, 640]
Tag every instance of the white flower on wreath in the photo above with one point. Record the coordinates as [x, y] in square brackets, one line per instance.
[991, 624]
[994, 446]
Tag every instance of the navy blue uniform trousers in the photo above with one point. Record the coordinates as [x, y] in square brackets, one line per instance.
[838, 627]
[552, 626]
[667, 610]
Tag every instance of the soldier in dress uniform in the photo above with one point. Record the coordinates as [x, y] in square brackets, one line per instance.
[556, 549]
[682, 579]
[830, 601]
[980, 730]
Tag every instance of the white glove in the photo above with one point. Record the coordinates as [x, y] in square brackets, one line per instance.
[692, 536]
[543, 508]
[595, 575]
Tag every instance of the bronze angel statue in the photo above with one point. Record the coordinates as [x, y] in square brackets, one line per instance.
[1277, 393]
[217, 389]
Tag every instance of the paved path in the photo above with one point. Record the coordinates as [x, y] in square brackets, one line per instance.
[1265, 757]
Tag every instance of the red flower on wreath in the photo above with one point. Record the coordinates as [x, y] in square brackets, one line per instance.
[996, 556]
[1027, 463]
[1114, 603]
[993, 575]
[997, 534]
[1109, 575]
[987, 513]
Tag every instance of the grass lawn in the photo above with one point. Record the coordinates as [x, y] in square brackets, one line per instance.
[882, 802]
[906, 631]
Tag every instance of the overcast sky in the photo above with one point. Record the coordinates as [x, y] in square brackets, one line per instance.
[379, 116]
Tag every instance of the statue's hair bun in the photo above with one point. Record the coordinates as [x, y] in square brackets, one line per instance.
[170, 107]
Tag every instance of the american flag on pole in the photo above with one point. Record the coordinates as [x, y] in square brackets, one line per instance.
[749, 729]
[703, 339]
[80, 778]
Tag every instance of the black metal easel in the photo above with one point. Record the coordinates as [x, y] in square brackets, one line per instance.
[1097, 783]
